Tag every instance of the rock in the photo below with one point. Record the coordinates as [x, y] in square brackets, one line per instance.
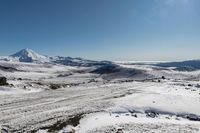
[119, 130]
[92, 80]
[11, 85]
[134, 115]
[3, 81]
[151, 114]
[4, 129]
[189, 85]
[167, 118]
[54, 86]
[163, 77]
[198, 86]
[64, 75]
[193, 117]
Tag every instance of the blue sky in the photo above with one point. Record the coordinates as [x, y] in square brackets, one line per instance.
[102, 29]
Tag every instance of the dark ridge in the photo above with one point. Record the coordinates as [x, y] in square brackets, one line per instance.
[68, 61]
[113, 71]
[106, 69]
[190, 65]
[7, 69]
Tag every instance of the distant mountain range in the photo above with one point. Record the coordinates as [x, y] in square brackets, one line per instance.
[30, 56]
[108, 70]
[190, 65]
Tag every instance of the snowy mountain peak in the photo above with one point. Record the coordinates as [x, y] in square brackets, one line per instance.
[28, 55]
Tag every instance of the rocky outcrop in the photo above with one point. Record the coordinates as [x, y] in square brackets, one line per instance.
[3, 81]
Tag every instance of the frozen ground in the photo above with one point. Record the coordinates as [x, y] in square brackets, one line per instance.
[57, 98]
[128, 123]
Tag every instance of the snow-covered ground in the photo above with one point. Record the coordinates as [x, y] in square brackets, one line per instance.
[47, 97]
[128, 123]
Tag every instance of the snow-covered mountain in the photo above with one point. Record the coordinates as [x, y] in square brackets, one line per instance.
[30, 56]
